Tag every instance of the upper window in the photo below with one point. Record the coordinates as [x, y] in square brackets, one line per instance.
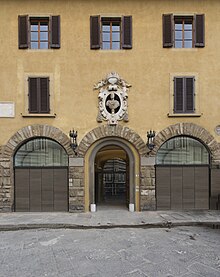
[183, 31]
[38, 95]
[111, 32]
[39, 32]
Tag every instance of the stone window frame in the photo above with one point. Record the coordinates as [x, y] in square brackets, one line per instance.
[197, 112]
[51, 95]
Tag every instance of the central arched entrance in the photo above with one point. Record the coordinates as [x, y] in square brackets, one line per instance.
[112, 177]
[112, 169]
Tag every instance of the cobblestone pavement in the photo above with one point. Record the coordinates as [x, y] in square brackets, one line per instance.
[181, 251]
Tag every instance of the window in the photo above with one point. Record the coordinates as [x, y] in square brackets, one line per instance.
[184, 94]
[39, 32]
[111, 32]
[183, 31]
[182, 150]
[38, 95]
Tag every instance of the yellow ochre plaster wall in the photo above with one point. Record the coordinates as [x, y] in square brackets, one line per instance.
[75, 68]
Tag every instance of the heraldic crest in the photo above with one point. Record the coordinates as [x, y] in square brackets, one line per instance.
[113, 99]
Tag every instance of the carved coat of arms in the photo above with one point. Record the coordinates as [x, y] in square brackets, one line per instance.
[113, 99]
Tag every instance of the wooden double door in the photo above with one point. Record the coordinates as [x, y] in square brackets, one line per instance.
[182, 187]
[41, 189]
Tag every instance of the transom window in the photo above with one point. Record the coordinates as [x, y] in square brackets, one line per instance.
[39, 33]
[182, 150]
[183, 32]
[111, 33]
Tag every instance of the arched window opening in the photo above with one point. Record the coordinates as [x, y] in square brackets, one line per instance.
[41, 152]
[182, 151]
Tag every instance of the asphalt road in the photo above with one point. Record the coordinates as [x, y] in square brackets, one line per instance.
[182, 251]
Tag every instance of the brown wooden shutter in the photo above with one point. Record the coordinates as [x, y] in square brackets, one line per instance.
[23, 31]
[33, 95]
[189, 94]
[95, 32]
[44, 95]
[199, 30]
[127, 32]
[55, 32]
[178, 95]
[168, 30]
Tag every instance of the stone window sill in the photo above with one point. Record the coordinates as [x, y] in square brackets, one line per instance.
[184, 114]
[38, 115]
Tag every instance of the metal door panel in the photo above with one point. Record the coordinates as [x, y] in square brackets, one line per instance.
[176, 187]
[47, 190]
[22, 190]
[60, 190]
[163, 187]
[201, 188]
[188, 188]
[35, 190]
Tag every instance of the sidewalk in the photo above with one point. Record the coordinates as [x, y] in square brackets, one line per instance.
[108, 218]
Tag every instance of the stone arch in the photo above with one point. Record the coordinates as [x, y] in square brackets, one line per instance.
[34, 131]
[188, 129]
[112, 131]
[134, 169]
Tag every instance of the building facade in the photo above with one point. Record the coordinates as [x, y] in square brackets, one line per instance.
[109, 103]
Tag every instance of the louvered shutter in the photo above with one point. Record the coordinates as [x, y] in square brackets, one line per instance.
[189, 94]
[127, 32]
[44, 95]
[33, 95]
[199, 30]
[23, 31]
[55, 32]
[178, 95]
[95, 32]
[168, 30]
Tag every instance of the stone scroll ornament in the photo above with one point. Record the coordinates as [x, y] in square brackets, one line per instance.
[113, 99]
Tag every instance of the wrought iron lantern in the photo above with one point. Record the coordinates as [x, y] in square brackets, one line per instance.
[73, 140]
[150, 140]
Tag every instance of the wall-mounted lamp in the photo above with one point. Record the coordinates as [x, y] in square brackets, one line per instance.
[73, 140]
[150, 140]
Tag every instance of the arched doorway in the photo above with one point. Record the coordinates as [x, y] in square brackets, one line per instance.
[104, 153]
[41, 176]
[112, 177]
[182, 175]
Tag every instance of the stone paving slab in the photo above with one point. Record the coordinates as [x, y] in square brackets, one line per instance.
[108, 219]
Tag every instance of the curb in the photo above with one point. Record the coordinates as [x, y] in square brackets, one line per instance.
[167, 224]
